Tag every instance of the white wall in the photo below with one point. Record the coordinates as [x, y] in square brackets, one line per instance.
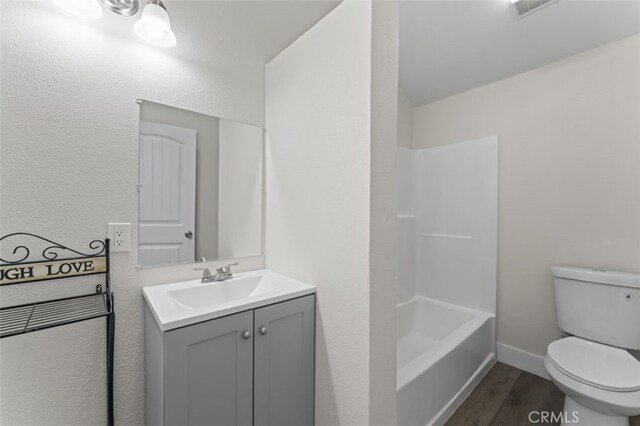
[240, 204]
[322, 199]
[69, 164]
[383, 229]
[569, 176]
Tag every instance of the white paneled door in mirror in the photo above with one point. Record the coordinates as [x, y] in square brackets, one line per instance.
[201, 187]
[167, 194]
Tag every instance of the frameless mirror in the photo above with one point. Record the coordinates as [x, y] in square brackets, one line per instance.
[200, 187]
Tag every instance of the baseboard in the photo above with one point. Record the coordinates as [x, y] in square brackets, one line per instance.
[523, 360]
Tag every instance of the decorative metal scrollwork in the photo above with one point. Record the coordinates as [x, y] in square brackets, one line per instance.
[50, 252]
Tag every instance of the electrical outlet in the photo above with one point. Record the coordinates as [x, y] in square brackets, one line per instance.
[120, 235]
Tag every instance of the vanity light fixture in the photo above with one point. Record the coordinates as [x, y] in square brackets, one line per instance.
[90, 9]
[121, 7]
[87, 9]
[154, 25]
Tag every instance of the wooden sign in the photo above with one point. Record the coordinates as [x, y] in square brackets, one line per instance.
[52, 269]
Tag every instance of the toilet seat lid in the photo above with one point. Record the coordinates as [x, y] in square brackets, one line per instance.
[595, 364]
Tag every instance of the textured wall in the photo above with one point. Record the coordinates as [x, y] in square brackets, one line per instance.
[331, 115]
[318, 164]
[69, 165]
[569, 176]
[383, 227]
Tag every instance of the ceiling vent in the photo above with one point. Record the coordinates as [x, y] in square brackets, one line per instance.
[526, 7]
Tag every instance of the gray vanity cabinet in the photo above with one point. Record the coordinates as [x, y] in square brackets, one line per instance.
[253, 367]
[284, 363]
[209, 372]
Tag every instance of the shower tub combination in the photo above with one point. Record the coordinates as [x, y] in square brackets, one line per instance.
[444, 350]
[448, 228]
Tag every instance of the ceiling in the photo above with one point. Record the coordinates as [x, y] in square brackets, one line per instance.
[449, 46]
[245, 30]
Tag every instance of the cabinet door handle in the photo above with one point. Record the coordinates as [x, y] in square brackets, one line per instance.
[246, 335]
[263, 330]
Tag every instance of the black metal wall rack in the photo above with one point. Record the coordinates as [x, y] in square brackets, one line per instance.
[29, 317]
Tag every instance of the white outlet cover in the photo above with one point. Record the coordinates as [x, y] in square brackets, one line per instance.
[120, 236]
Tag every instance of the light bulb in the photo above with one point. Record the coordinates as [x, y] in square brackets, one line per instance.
[154, 26]
[154, 30]
[88, 9]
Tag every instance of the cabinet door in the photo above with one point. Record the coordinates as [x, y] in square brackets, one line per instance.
[284, 363]
[208, 371]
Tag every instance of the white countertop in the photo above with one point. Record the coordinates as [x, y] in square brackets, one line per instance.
[188, 302]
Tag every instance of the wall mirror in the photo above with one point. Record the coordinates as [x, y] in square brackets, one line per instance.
[200, 187]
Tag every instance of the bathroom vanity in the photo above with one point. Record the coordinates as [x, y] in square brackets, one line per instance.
[237, 352]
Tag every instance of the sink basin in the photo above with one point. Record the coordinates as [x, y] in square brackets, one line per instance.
[188, 302]
[203, 296]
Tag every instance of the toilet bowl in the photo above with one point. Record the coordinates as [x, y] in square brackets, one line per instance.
[601, 383]
[594, 368]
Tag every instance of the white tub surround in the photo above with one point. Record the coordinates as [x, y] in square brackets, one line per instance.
[443, 352]
[406, 225]
[448, 230]
[457, 228]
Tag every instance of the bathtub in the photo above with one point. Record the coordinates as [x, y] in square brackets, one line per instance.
[444, 350]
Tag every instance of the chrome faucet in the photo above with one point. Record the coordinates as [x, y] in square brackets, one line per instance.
[222, 274]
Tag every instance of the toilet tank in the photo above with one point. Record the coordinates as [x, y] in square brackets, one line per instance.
[603, 306]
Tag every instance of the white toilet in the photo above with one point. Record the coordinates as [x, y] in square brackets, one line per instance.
[594, 368]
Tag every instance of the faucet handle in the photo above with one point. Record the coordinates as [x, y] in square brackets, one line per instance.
[227, 268]
[206, 274]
